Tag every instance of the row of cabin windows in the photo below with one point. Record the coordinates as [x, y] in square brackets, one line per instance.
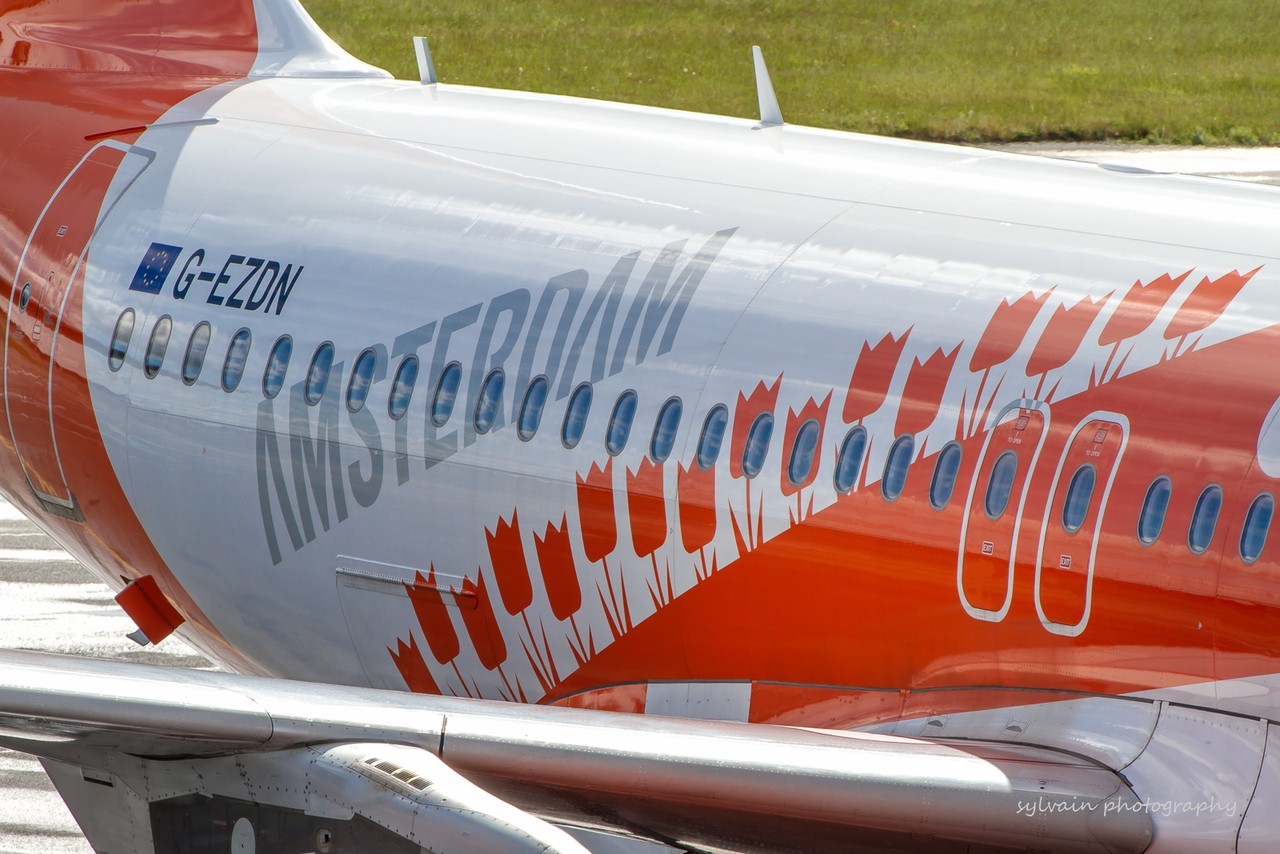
[996, 496]
[445, 396]
[1080, 488]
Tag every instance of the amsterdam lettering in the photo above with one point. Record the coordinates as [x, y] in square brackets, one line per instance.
[573, 330]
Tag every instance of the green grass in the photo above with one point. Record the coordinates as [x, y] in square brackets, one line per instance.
[1176, 71]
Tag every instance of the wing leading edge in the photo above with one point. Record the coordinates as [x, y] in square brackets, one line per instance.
[142, 754]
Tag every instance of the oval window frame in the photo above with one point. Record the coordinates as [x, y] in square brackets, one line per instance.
[574, 425]
[618, 433]
[751, 463]
[277, 367]
[1194, 525]
[858, 433]
[991, 483]
[157, 347]
[891, 487]
[813, 430]
[121, 337]
[532, 408]
[358, 396]
[401, 394]
[442, 403]
[711, 437]
[1146, 504]
[951, 450]
[1266, 528]
[667, 431]
[193, 359]
[317, 381]
[1067, 506]
[231, 379]
[488, 401]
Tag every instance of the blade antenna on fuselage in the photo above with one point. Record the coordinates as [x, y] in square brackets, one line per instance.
[770, 112]
[426, 67]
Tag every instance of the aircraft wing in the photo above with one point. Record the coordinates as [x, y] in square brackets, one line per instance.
[159, 759]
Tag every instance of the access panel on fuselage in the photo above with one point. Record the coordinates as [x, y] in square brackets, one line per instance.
[51, 262]
[993, 512]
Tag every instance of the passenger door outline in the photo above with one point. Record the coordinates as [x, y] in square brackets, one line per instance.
[1007, 417]
[33, 431]
[1090, 421]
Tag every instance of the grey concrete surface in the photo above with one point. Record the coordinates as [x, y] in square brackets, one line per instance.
[48, 602]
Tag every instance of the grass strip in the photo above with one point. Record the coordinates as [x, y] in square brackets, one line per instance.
[1159, 71]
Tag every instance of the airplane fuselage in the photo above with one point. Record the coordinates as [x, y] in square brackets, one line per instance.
[931, 310]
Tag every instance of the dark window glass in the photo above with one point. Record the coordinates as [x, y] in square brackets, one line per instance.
[318, 374]
[402, 387]
[624, 412]
[802, 453]
[757, 446]
[712, 436]
[535, 399]
[849, 463]
[1000, 484]
[237, 355]
[945, 470]
[895, 467]
[664, 430]
[1256, 524]
[197, 347]
[277, 366]
[1154, 506]
[157, 346]
[490, 399]
[120, 339]
[446, 393]
[1204, 519]
[361, 379]
[1079, 493]
[575, 417]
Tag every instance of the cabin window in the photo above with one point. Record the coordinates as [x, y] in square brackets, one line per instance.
[757, 446]
[120, 339]
[361, 380]
[402, 387]
[624, 412]
[1154, 506]
[1204, 519]
[318, 374]
[1000, 485]
[535, 400]
[197, 347]
[237, 355]
[575, 417]
[712, 436]
[945, 470]
[490, 399]
[1256, 524]
[277, 366]
[446, 394]
[849, 462]
[157, 346]
[1079, 493]
[895, 467]
[664, 430]
[802, 450]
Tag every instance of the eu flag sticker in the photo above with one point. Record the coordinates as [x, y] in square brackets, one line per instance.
[155, 268]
